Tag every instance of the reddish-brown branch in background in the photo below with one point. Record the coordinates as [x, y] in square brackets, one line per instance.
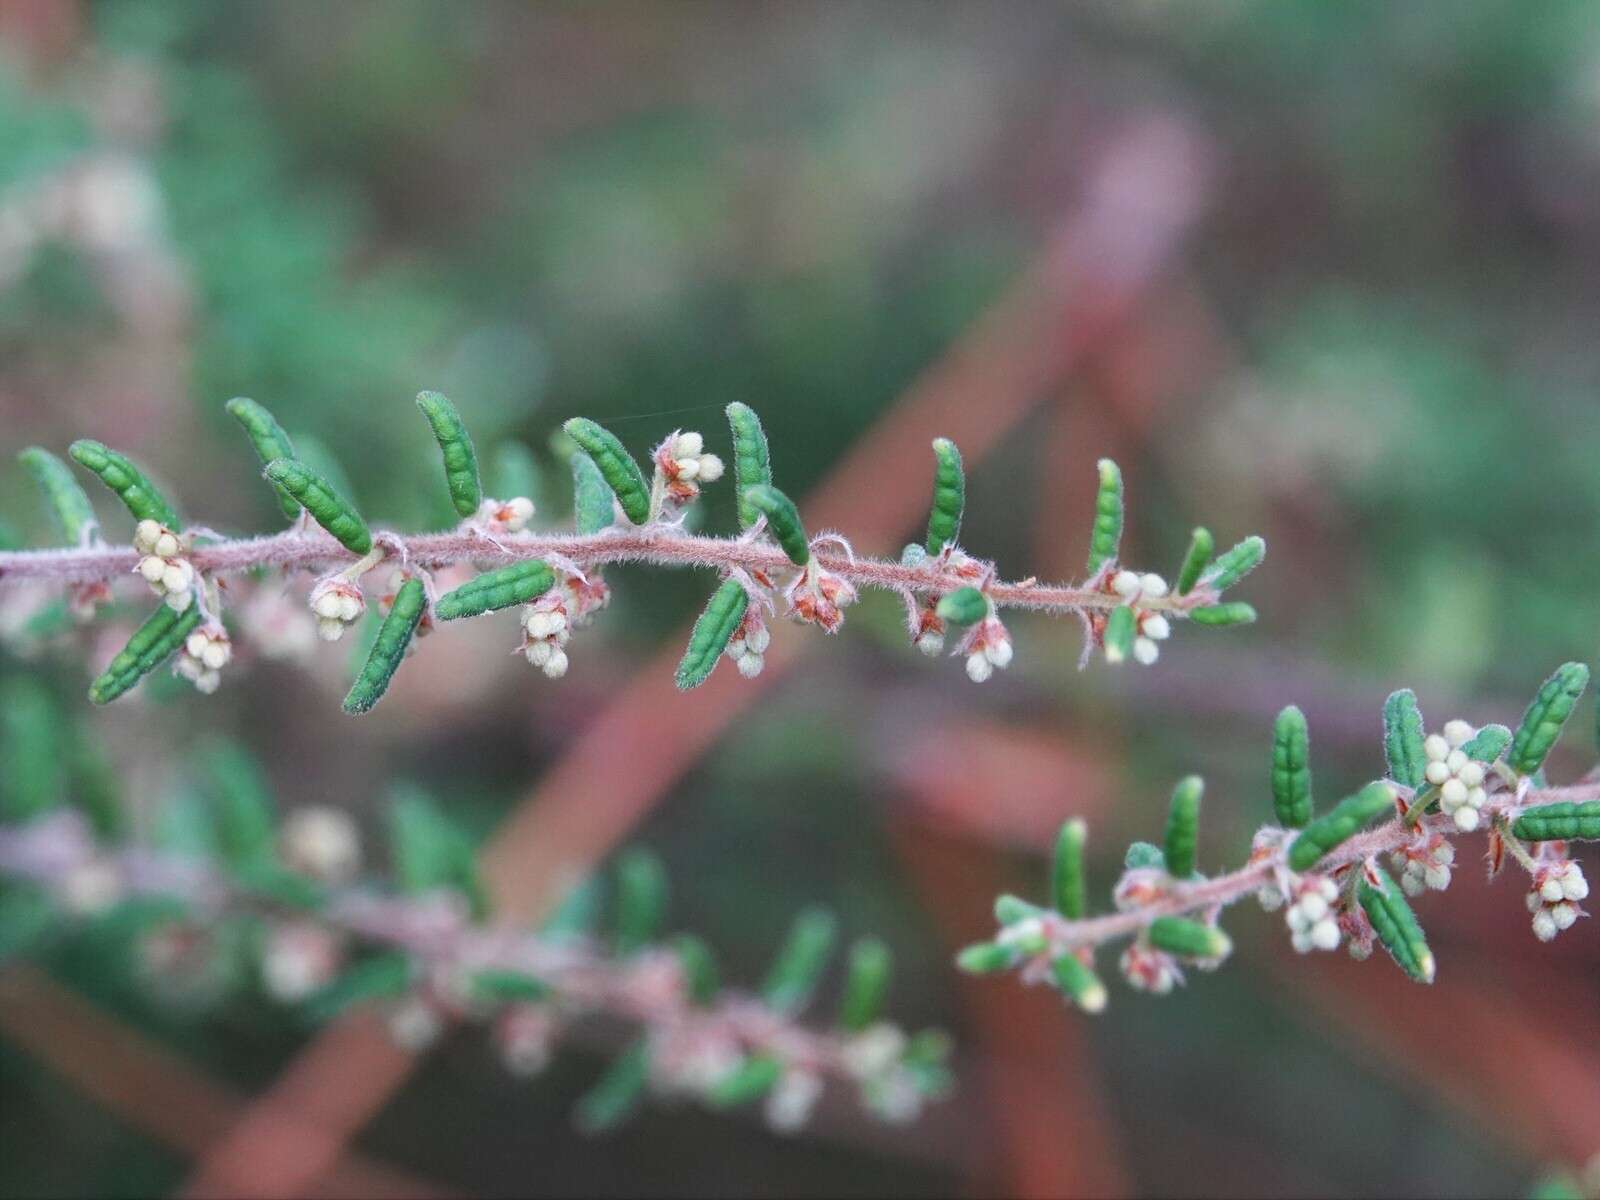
[1139, 199]
[149, 1087]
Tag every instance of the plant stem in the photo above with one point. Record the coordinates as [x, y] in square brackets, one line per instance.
[659, 545]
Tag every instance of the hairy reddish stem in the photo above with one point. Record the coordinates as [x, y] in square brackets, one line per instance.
[658, 545]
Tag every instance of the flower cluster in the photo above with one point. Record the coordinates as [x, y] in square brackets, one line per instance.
[1149, 970]
[548, 623]
[1458, 778]
[1424, 863]
[337, 603]
[1553, 897]
[818, 597]
[163, 565]
[1151, 628]
[507, 516]
[987, 646]
[205, 652]
[1312, 920]
[683, 465]
[748, 646]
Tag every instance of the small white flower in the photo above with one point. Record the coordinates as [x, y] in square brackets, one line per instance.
[1552, 899]
[337, 603]
[1313, 925]
[1153, 585]
[1157, 627]
[789, 1104]
[1458, 733]
[207, 650]
[1145, 651]
[1436, 747]
[556, 665]
[979, 668]
[323, 843]
[688, 445]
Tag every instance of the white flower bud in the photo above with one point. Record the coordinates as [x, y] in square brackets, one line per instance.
[1436, 748]
[1458, 732]
[711, 468]
[538, 653]
[322, 842]
[1565, 915]
[931, 644]
[688, 469]
[1157, 627]
[216, 655]
[177, 576]
[556, 665]
[1153, 585]
[758, 639]
[350, 607]
[166, 546]
[979, 668]
[1411, 885]
[145, 535]
[1453, 792]
[196, 644]
[999, 652]
[1544, 925]
[330, 629]
[1573, 885]
[1313, 906]
[152, 568]
[1325, 934]
[1145, 651]
[1125, 584]
[1477, 797]
[1466, 818]
[1551, 891]
[1437, 877]
[1456, 761]
[538, 624]
[1436, 772]
[688, 445]
[329, 604]
[179, 601]
[750, 665]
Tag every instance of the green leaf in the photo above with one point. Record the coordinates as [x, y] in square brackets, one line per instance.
[1233, 565]
[1105, 538]
[429, 851]
[1195, 560]
[752, 462]
[1291, 769]
[712, 632]
[783, 521]
[1396, 926]
[151, 645]
[866, 984]
[616, 466]
[328, 508]
[1189, 939]
[641, 899]
[592, 508]
[513, 987]
[964, 606]
[1078, 982]
[126, 481]
[801, 961]
[1183, 827]
[1009, 909]
[1221, 615]
[32, 757]
[455, 447]
[243, 808]
[987, 958]
[699, 968]
[949, 496]
[1546, 717]
[71, 507]
[519, 583]
[1565, 822]
[615, 1097]
[388, 649]
[1403, 739]
[1488, 744]
[1344, 821]
[269, 441]
[1068, 883]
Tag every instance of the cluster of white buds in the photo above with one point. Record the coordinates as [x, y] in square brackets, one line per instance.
[1553, 899]
[507, 516]
[987, 646]
[1151, 627]
[321, 843]
[819, 597]
[1149, 970]
[1458, 778]
[299, 958]
[1425, 864]
[337, 602]
[162, 565]
[684, 465]
[206, 651]
[546, 630]
[1313, 924]
[748, 646]
[525, 1035]
[790, 1102]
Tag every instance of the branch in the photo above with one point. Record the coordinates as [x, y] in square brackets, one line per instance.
[707, 1046]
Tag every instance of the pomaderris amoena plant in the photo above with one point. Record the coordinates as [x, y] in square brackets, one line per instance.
[621, 514]
[224, 900]
[1345, 876]
[220, 881]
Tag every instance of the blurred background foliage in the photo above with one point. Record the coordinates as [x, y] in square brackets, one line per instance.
[1384, 361]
